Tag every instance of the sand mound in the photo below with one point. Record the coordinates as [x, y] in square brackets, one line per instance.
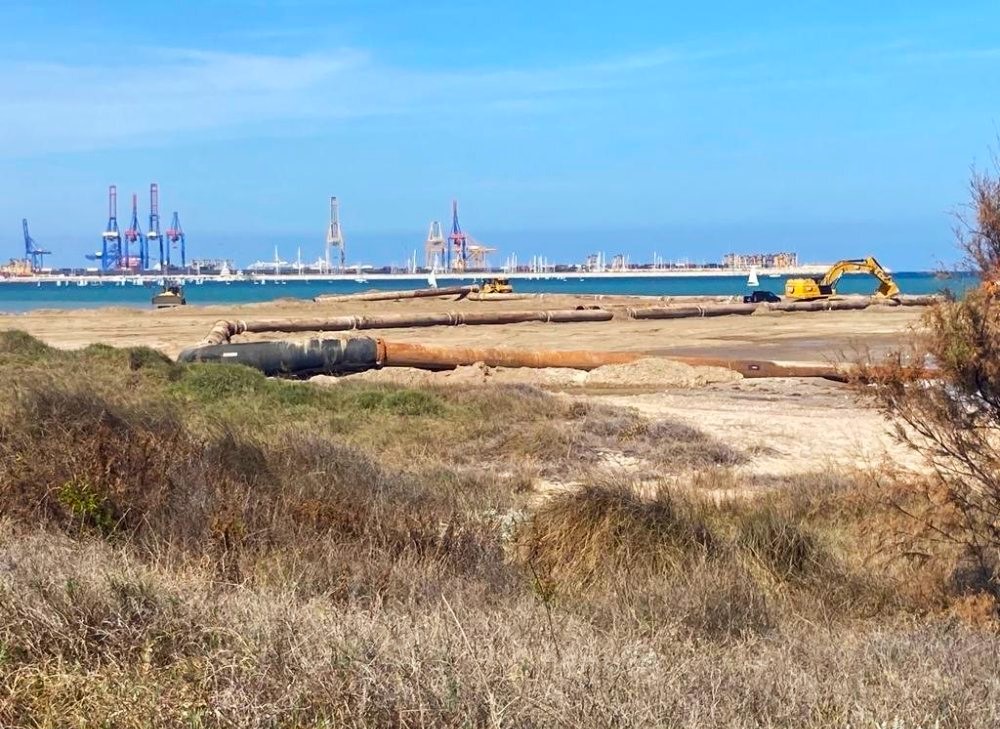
[652, 372]
[658, 372]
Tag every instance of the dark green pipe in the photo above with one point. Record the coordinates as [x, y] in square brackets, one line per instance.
[293, 359]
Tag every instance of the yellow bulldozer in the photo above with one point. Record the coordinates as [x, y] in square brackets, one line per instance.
[823, 287]
[499, 285]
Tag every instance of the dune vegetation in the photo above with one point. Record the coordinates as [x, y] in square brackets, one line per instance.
[202, 546]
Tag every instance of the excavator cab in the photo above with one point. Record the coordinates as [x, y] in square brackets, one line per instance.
[804, 289]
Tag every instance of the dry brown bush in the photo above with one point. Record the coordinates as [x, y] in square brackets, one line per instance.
[952, 417]
[589, 535]
[92, 636]
[132, 474]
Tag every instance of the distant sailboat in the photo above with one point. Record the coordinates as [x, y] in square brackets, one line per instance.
[432, 280]
[752, 278]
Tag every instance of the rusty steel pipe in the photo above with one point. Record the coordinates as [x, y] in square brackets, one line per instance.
[753, 368]
[819, 305]
[503, 297]
[404, 354]
[707, 310]
[460, 291]
[686, 312]
[926, 300]
[224, 331]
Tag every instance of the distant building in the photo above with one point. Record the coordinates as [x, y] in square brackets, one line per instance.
[212, 265]
[16, 267]
[761, 260]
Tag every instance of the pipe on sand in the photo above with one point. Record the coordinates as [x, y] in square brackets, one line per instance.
[404, 354]
[685, 312]
[460, 291]
[224, 330]
[357, 354]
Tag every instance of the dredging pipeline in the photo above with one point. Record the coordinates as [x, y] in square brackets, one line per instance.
[357, 354]
[708, 310]
[459, 291]
[224, 330]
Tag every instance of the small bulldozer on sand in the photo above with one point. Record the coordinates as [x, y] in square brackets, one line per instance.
[498, 285]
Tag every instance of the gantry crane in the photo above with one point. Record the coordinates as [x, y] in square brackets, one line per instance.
[132, 235]
[111, 238]
[153, 237]
[32, 252]
[175, 238]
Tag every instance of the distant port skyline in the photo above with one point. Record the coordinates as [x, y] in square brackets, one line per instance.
[920, 245]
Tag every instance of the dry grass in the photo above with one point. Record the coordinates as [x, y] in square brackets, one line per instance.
[188, 546]
[596, 533]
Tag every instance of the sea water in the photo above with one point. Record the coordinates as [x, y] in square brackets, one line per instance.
[16, 297]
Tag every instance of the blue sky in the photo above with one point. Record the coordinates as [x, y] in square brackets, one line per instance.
[836, 129]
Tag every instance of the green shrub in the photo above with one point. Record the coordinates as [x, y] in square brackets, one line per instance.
[400, 402]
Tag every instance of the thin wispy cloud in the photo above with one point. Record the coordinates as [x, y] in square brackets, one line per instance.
[157, 93]
[951, 54]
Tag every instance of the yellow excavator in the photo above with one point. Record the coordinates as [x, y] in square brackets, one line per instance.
[823, 287]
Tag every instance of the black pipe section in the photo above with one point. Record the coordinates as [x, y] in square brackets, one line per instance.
[293, 359]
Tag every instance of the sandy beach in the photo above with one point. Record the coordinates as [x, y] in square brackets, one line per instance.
[753, 414]
[820, 336]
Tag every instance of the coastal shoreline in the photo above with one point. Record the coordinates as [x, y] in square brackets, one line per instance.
[153, 278]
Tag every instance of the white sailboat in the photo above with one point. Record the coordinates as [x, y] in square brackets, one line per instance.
[752, 278]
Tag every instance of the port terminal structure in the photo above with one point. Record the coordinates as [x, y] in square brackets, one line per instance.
[458, 252]
[175, 239]
[33, 262]
[110, 255]
[366, 275]
[334, 237]
[455, 254]
[130, 251]
[133, 235]
[33, 255]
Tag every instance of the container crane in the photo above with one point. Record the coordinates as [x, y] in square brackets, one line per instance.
[111, 238]
[153, 237]
[175, 236]
[458, 240]
[133, 234]
[434, 247]
[31, 251]
[334, 234]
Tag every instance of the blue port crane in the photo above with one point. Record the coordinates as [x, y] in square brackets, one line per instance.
[175, 238]
[133, 234]
[111, 238]
[31, 251]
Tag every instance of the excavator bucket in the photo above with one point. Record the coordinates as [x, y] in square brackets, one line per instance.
[887, 289]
